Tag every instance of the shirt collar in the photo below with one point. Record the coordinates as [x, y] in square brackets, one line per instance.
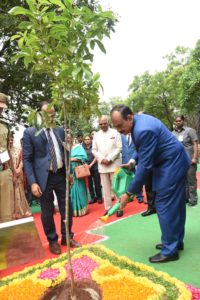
[181, 129]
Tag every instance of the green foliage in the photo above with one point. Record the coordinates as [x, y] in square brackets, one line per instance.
[25, 89]
[56, 38]
[160, 94]
[190, 81]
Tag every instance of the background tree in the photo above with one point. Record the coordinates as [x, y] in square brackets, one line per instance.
[159, 94]
[25, 89]
[190, 82]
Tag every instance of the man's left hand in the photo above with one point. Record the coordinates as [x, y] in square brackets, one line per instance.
[124, 200]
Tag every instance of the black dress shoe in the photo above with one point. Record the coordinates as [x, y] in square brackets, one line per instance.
[160, 246]
[192, 203]
[106, 212]
[140, 200]
[148, 212]
[119, 213]
[160, 258]
[100, 201]
[92, 201]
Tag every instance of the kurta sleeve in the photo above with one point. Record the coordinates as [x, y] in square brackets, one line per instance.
[118, 149]
[95, 150]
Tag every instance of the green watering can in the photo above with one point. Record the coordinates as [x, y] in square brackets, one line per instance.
[121, 180]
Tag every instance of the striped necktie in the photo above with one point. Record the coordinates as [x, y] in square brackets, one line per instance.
[129, 139]
[52, 151]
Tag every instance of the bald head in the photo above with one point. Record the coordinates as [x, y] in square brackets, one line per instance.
[104, 123]
[122, 118]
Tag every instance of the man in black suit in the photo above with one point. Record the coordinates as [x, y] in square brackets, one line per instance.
[43, 158]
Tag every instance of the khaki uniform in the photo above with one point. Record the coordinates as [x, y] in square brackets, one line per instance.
[6, 180]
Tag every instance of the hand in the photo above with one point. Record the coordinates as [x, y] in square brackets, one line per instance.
[71, 180]
[124, 200]
[17, 172]
[194, 161]
[14, 179]
[105, 162]
[36, 191]
[129, 165]
[75, 159]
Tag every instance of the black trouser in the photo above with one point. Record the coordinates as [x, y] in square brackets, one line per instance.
[150, 194]
[56, 182]
[95, 181]
[191, 184]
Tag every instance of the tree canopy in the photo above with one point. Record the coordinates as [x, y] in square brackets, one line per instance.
[173, 91]
[53, 42]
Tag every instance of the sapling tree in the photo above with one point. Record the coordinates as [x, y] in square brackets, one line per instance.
[57, 38]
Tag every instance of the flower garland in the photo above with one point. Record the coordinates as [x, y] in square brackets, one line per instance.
[117, 276]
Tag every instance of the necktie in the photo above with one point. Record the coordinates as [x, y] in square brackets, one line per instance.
[52, 151]
[129, 139]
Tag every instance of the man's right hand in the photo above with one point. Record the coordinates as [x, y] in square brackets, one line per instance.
[36, 191]
[130, 165]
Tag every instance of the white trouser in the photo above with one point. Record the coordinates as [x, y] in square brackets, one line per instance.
[106, 182]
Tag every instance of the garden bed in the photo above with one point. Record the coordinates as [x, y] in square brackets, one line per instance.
[117, 277]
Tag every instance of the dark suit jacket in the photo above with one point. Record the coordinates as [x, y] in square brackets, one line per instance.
[128, 151]
[36, 155]
[158, 151]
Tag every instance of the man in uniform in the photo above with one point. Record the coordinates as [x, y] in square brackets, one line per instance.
[6, 176]
[188, 137]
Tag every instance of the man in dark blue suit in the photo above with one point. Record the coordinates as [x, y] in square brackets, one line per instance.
[162, 154]
[45, 172]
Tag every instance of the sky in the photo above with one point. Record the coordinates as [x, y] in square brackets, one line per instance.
[146, 32]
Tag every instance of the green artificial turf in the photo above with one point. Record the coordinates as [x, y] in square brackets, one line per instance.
[136, 237]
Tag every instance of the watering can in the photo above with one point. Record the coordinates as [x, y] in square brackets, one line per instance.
[121, 180]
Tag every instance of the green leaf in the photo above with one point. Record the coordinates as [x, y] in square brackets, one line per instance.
[101, 46]
[92, 44]
[17, 10]
[25, 25]
[14, 37]
[20, 42]
[88, 57]
[31, 5]
[68, 2]
[57, 2]
[76, 71]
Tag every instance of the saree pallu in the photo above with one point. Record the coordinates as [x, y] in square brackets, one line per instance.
[78, 190]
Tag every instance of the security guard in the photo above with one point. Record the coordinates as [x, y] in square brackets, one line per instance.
[6, 175]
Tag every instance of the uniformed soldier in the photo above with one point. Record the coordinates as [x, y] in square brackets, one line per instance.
[6, 175]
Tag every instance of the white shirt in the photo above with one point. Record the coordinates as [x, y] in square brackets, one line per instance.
[107, 145]
[57, 149]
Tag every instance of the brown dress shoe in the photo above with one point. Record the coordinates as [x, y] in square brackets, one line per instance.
[54, 248]
[73, 243]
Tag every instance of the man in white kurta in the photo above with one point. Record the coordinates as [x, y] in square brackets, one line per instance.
[107, 147]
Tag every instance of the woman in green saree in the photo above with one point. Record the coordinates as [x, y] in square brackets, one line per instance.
[78, 190]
